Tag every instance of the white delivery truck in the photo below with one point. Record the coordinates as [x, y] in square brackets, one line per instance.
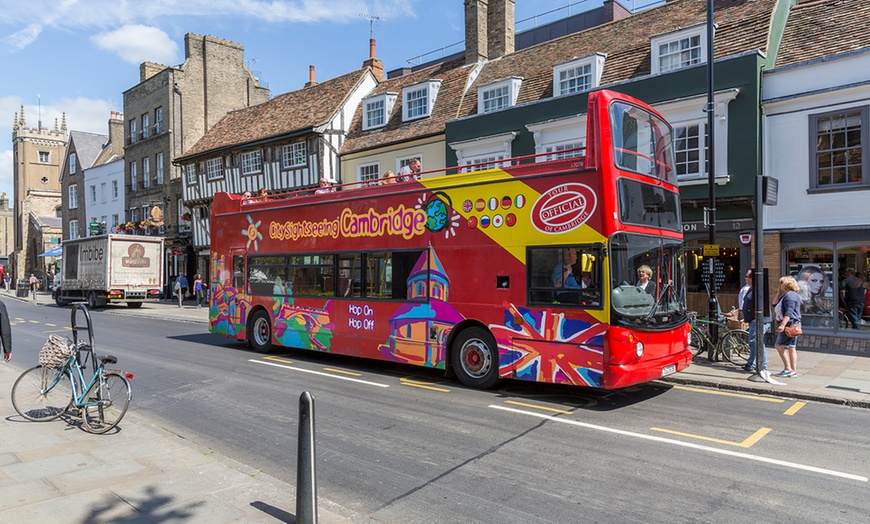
[110, 268]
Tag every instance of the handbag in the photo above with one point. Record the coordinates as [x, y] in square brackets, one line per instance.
[793, 330]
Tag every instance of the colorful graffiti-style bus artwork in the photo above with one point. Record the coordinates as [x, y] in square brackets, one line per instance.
[525, 271]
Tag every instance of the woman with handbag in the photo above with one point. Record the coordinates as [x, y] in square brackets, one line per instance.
[789, 327]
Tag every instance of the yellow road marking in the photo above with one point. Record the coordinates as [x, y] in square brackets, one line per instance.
[33, 321]
[351, 373]
[278, 359]
[535, 406]
[19, 319]
[794, 408]
[729, 394]
[752, 439]
[422, 385]
[52, 325]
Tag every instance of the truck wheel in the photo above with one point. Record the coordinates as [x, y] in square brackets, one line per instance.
[475, 358]
[134, 305]
[92, 300]
[260, 332]
[58, 299]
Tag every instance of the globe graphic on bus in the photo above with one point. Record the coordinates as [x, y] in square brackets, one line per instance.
[436, 215]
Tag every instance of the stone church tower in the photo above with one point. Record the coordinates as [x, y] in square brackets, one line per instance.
[37, 156]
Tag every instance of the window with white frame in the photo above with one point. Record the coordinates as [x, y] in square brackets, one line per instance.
[565, 150]
[294, 155]
[145, 127]
[146, 172]
[93, 193]
[158, 120]
[377, 110]
[487, 151]
[73, 229]
[367, 172]
[73, 194]
[72, 163]
[132, 128]
[134, 214]
[115, 221]
[114, 190]
[134, 176]
[252, 162]
[838, 151]
[103, 192]
[214, 168]
[418, 99]
[690, 149]
[498, 95]
[44, 157]
[580, 74]
[190, 173]
[683, 48]
[158, 167]
[561, 137]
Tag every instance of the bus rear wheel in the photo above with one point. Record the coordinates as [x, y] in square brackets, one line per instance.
[260, 332]
[475, 358]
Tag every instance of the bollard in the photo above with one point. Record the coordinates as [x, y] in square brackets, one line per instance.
[306, 484]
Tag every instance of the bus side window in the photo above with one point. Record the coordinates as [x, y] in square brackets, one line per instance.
[239, 273]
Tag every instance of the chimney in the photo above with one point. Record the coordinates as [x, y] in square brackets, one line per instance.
[475, 31]
[116, 128]
[311, 81]
[376, 65]
[500, 28]
[613, 10]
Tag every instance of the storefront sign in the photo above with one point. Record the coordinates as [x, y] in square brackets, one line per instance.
[736, 224]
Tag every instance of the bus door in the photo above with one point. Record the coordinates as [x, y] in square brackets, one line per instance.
[238, 302]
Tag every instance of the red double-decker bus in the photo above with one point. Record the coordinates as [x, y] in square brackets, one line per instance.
[566, 271]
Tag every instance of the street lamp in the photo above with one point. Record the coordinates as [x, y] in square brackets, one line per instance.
[710, 215]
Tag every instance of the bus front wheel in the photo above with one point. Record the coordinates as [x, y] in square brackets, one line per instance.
[475, 358]
[260, 332]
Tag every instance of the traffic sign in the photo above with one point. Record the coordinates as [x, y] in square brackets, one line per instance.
[711, 250]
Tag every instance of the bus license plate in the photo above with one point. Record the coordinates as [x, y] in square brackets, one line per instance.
[668, 370]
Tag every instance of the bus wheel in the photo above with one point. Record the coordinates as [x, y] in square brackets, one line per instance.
[260, 332]
[475, 358]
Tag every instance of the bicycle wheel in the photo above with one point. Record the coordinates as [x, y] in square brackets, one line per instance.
[106, 402]
[696, 341]
[42, 394]
[735, 346]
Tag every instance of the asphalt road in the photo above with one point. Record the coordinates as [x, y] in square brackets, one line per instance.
[403, 445]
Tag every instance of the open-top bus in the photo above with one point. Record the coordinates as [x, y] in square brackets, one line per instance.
[525, 271]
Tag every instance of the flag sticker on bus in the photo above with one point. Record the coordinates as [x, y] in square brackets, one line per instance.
[563, 208]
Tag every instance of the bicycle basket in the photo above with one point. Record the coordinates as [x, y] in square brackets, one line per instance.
[55, 352]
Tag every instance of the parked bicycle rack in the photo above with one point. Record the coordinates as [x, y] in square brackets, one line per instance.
[79, 345]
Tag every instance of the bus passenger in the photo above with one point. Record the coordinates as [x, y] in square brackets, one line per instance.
[262, 194]
[388, 178]
[246, 197]
[644, 274]
[409, 172]
[324, 186]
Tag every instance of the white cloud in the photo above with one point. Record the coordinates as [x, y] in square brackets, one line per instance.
[138, 43]
[6, 182]
[23, 38]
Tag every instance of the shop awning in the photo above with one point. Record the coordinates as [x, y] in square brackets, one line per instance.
[56, 252]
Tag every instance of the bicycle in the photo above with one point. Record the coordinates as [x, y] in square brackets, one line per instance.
[51, 389]
[733, 344]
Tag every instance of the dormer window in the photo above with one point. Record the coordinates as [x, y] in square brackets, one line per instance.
[377, 110]
[419, 99]
[498, 95]
[679, 49]
[577, 75]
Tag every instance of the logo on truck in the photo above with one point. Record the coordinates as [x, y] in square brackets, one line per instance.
[136, 257]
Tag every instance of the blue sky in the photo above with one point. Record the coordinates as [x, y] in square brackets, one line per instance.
[79, 56]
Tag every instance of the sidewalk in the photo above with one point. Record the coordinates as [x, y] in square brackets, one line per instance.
[57, 472]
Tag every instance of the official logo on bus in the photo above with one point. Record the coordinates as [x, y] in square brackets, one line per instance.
[563, 208]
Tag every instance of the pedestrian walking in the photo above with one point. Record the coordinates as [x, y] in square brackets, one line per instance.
[182, 281]
[6, 281]
[748, 308]
[790, 307]
[5, 333]
[197, 290]
[34, 282]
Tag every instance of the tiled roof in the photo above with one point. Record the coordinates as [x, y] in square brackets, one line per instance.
[743, 25]
[88, 146]
[287, 113]
[453, 76]
[824, 28]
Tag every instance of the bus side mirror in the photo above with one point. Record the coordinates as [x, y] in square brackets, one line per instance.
[696, 260]
[586, 263]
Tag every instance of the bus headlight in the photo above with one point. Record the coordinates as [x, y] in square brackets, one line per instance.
[638, 348]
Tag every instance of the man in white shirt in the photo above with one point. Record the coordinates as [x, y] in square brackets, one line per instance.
[407, 173]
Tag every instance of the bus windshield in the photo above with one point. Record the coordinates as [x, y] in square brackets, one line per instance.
[648, 281]
[642, 142]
